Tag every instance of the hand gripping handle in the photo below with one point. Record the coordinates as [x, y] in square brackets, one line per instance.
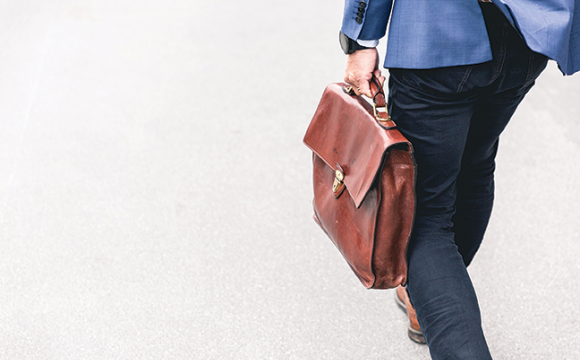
[379, 103]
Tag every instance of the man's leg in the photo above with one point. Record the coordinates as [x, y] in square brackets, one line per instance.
[475, 183]
[434, 112]
[495, 106]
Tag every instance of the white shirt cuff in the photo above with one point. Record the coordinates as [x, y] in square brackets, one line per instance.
[368, 43]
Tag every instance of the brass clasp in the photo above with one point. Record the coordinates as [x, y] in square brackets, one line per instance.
[338, 181]
[338, 186]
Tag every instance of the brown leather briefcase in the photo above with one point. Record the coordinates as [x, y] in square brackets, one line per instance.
[364, 178]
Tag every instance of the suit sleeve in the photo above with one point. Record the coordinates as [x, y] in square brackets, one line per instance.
[366, 19]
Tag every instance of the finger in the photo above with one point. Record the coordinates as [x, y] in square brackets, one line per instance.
[347, 78]
[382, 80]
[365, 88]
[379, 76]
[350, 79]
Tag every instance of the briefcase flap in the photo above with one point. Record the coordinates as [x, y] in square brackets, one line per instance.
[344, 131]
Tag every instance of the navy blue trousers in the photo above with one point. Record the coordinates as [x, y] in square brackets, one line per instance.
[454, 117]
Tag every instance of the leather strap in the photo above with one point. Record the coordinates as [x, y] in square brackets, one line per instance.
[378, 93]
[380, 105]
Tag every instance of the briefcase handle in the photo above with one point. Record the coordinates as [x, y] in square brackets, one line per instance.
[379, 104]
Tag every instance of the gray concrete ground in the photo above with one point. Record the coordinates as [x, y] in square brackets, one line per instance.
[155, 194]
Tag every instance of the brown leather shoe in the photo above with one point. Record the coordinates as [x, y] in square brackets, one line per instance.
[402, 300]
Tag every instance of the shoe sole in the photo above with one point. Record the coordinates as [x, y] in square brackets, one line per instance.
[416, 336]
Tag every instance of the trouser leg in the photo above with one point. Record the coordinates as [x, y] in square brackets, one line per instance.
[438, 283]
[475, 182]
[450, 225]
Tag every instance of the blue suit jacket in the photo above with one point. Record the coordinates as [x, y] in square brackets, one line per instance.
[435, 33]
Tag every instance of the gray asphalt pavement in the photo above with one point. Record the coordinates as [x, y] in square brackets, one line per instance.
[155, 195]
